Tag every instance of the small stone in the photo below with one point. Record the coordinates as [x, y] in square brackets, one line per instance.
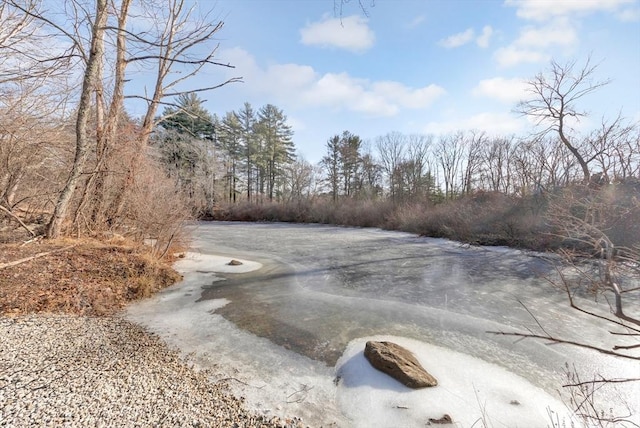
[234, 263]
[446, 419]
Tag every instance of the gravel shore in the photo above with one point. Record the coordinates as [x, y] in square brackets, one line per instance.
[74, 371]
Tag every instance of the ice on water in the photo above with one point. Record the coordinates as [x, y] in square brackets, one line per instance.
[281, 382]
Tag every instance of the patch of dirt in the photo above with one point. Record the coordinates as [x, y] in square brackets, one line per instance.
[86, 277]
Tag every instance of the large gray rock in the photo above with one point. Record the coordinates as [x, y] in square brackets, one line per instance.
[399, 363]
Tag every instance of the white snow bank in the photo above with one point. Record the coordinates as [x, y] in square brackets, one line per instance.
[209, 263]
[469, 390]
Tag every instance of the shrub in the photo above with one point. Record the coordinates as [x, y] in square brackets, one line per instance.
[489, 218]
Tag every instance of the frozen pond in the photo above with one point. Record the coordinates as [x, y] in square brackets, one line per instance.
[295, 312]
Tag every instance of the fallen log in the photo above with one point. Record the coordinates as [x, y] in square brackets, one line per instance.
[35, 256]
[16, 218]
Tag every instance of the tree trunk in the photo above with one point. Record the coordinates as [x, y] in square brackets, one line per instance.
[113, 115]
[91, 71]
[576, 154]
[164, 65]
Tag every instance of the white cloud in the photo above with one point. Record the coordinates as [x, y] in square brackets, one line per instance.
[384, 98]
[494, 124]
[467, 36]
[534, 43]
[408, 97]
[292, 76]
[342, 91]
[540, 10]
[416, 21]
[484, 38]
[499, 88]
[559, 32]
[296, 123]
[458, 39]
[629, 15]
[513, 55]
[351, 33]
[302, 86]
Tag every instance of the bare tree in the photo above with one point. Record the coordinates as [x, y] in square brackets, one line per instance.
[174, 48]
[554, 96]
[90, 80]
[391, 149]
[596, 221]
[338, 6]
[176, 45]
[627, 154]
[473, 145]
[497, 161]
[33, 108]
[450, 153]
[610, 150]
[419, 178]
[369, 185]
[299, 177]
[26, 46]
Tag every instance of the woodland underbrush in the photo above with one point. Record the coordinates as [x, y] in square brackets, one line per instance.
[564, 218]
[79, 276]
[482, 218]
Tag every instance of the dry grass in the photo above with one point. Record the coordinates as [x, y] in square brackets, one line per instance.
[86, 277]
[487, 218]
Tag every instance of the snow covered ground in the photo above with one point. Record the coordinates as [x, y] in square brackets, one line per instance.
[470, 390]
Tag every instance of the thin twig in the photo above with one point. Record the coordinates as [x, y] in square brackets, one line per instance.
[563, 341]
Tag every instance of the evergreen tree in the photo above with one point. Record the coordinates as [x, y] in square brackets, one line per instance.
[185, 131]
[350, 161]
[247, 120]
[278, 148]
[343, 164]
[229, 140]
[331, 164]
[188, 118]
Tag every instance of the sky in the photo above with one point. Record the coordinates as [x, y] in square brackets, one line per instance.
[417, 66]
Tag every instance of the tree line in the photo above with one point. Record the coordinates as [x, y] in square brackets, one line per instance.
[64, 119]
[249, 155]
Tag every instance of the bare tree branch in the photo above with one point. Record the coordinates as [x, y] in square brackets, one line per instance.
[16, 218]
[556, 340]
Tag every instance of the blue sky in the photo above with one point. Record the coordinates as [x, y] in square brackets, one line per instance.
[428, 67]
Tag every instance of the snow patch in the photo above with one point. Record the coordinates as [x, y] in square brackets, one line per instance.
[209, 263]
[470, 390]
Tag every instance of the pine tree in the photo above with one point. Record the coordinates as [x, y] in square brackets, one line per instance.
[278, 148]
[184, 133]
[350, 161]
[229, 141]
[343, 164]
[247, 120]
[331, 163]
[188, 118]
